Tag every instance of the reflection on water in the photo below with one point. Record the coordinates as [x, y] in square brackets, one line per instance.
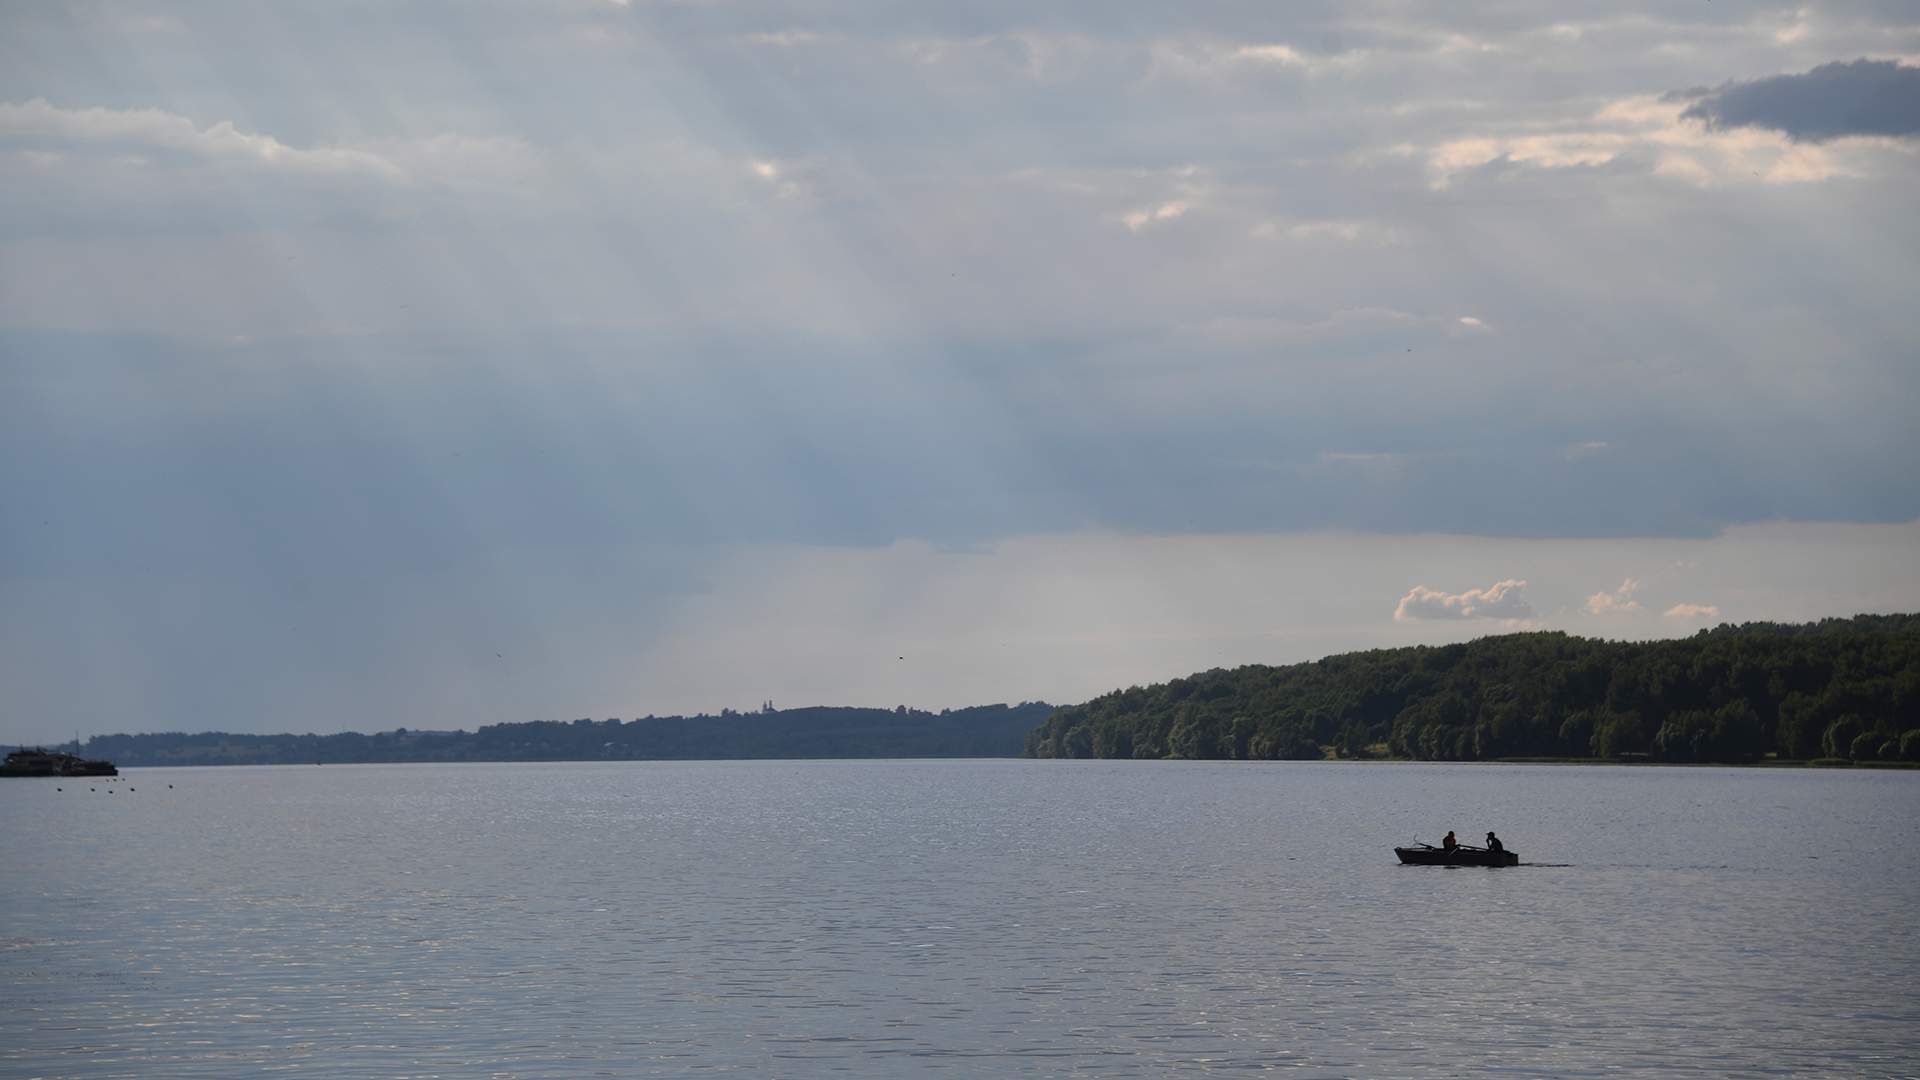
[983, 919]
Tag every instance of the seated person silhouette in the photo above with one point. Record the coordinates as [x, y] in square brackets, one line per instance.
[1493, 844]
[1449, 843]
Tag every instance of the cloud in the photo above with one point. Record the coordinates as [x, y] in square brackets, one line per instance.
[1167, 211]
[1832, 101]
[1127, 285]
[1648, 134]
[591, 318]
[1271, 54]
[97, 164]
[1562, 150]
[1618, 602]
[156, 131]
[785, 39]
[1327, 231]
[1501, 600]
[1693, 611]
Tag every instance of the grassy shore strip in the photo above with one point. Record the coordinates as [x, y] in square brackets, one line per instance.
[1640, 760]
[1767, 763]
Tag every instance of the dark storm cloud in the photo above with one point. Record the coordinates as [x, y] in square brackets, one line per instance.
[1864, 97]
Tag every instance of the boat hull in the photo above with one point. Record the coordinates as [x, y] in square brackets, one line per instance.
[1433, 856]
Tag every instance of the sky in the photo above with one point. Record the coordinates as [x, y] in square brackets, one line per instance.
[437, 364]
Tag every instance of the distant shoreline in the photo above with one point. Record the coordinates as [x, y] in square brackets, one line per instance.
[1827, 765]
[1806, 763]
[767, 734]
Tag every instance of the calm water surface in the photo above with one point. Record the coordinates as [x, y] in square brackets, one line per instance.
[966, 918]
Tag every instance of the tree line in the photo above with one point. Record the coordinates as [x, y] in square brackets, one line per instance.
[822, 732]
[1837, 689]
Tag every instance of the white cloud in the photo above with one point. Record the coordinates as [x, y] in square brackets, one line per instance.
[1693, 611]
[1558, 151]
[1501, 600]
[1685, 167]
[1648, 132]
[1455, 43]
[152, 141]
[943, 50]
[788, 180]
[1167, 211]
[1618, 602]
[148, 131]
[1271, 54]
[1788, 35]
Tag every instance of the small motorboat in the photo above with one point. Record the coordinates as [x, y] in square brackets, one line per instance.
[1428, 855]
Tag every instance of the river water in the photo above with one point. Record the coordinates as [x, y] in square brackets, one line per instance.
[958, 918]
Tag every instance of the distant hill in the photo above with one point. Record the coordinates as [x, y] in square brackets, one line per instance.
[1839, 688]
[826, 732]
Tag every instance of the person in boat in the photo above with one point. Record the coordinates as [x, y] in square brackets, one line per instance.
[1494, 845]
[1449, 843]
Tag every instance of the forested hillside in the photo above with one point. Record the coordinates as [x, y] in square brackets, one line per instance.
[1839, 688]
[982, 731]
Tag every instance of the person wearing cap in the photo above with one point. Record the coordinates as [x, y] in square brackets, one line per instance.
[1493, 844]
